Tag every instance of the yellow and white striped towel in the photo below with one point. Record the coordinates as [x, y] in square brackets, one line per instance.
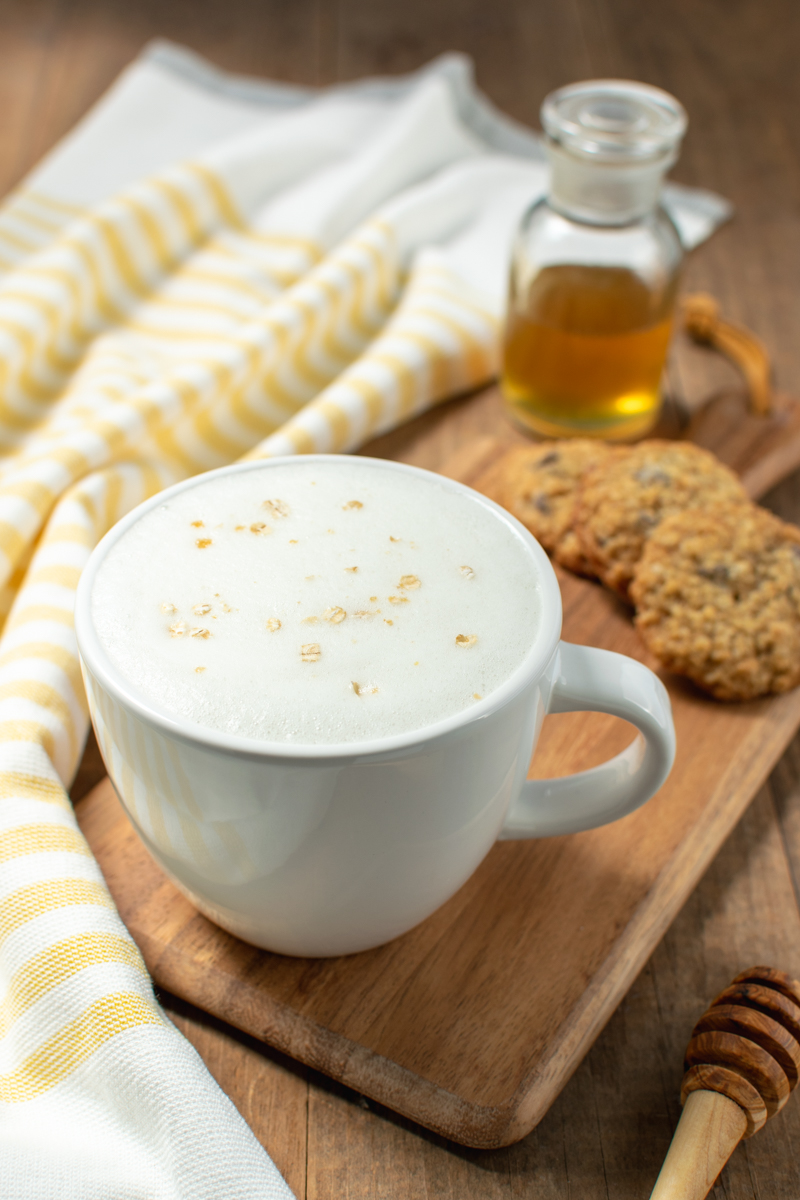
[206, 268]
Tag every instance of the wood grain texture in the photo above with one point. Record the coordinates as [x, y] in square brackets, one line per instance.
[764, 1000]
[769, 977]
[734, 67]
[755, 1027]
[705, 1078]
[739, 1053]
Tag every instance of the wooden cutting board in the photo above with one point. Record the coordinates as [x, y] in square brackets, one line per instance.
[472, 1023]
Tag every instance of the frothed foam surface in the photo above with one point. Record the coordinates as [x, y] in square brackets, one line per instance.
[317, 602]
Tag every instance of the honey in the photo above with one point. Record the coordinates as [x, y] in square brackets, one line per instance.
[584, 351]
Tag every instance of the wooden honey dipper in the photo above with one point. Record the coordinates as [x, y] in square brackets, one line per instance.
[742, 1063]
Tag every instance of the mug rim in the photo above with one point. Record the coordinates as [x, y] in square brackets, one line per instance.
[97, 662]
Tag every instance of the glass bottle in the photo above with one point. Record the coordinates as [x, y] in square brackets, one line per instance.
[595, 267]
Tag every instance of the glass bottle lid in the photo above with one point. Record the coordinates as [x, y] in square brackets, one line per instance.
[615, 121]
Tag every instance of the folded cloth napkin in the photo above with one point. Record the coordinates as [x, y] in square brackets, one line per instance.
[205, 268]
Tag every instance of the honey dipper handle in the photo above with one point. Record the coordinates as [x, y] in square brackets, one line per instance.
[710, 1129]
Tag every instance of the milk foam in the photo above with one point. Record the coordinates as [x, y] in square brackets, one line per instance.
[316, 602]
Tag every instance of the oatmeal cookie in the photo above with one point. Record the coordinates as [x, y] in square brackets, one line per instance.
[622, 500]
[541, 483]
[717, 594]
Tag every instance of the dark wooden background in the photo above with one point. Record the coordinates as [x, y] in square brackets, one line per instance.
[734, 64]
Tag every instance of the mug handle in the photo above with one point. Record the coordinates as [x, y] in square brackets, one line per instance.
[585, 679]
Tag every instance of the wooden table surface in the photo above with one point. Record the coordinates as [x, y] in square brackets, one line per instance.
[734, 66]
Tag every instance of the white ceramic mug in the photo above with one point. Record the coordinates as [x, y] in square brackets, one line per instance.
[332, 849]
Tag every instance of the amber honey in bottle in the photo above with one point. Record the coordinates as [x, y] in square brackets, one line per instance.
[595, 268]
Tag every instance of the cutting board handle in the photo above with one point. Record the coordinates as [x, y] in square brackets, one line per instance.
[585, 679]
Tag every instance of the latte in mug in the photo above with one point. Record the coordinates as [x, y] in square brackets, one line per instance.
[317, 602]
[317, 684]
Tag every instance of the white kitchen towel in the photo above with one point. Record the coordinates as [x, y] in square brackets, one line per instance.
[206, 268]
